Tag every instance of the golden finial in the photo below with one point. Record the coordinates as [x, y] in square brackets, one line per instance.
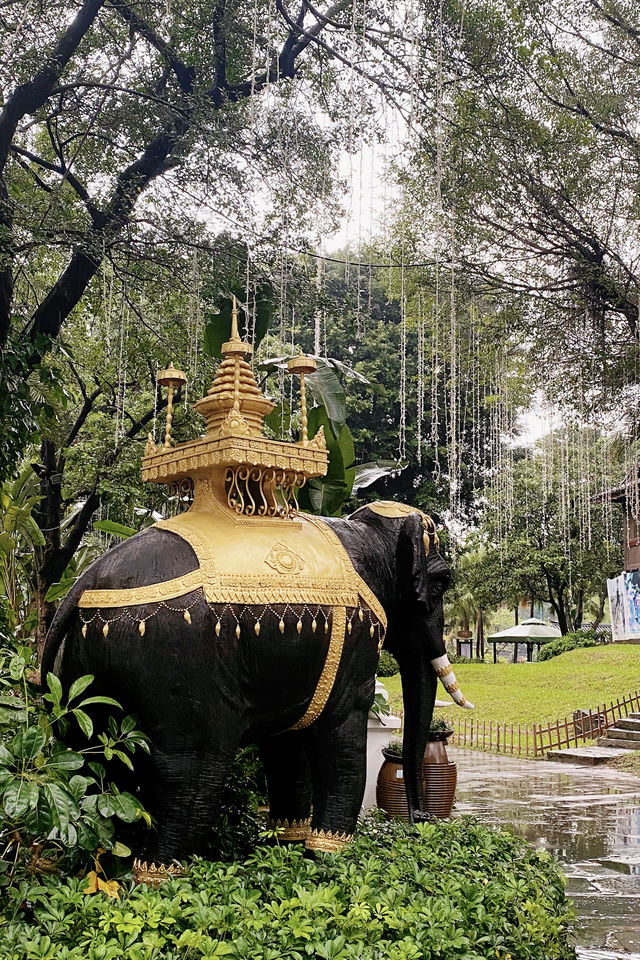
[172, 379]
[303, 365]
[235, 346]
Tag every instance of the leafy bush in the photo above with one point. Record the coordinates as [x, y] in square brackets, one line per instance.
[438, 891]
[458, 658]
[571, 641]
[387, 665]
[57, 806]
[238, 824]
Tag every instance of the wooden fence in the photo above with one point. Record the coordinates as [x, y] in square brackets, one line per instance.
[537, 739]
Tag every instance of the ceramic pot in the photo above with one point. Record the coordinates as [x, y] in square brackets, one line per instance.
[439, 778]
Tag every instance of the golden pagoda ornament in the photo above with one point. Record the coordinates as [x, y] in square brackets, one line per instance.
[234, 460]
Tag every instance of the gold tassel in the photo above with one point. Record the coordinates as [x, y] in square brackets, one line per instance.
[314, 626]
[238, 630]
[257, 628]
[299, 626]
[105, 630]
[218, 629]
[326, 626]
[187, 616]
[371, 630]
[84, 629]
[349, 627]
[141, 628]
[281, 625]
[360, 614]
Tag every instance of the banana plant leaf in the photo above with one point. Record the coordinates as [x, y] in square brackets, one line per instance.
[368, 473]
[218, 325]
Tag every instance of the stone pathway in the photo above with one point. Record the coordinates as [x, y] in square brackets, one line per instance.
[589, 817]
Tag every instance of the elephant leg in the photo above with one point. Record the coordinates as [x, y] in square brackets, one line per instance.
[286, 767]
[338, 769]
[184, 795]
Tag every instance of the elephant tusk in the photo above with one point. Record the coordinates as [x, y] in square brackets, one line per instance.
[444, 670]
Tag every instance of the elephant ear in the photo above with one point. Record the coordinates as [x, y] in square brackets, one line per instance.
[423, 576]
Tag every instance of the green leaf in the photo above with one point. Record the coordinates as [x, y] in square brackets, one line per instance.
[115, 529]
[84, 722]
[32, 743]
[218, 325]
[125, 807]
[60, 589]
[108, 700]
[16, 667]
[65, 760]
[125, 759]
[368, 473]
[120, 850]
[106, 805]
[62, 805]
[326, 389]
[79, 686]
[56, 689]
[18, 797]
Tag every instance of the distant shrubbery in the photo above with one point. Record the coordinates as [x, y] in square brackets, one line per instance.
[571, 641]
[387, 665]
[458, 658]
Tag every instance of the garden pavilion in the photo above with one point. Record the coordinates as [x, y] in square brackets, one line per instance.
[532, 632]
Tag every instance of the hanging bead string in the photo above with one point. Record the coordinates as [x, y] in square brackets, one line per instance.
[297, 611]
[127, 615]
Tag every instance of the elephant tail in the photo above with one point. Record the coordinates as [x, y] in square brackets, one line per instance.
[59, 628]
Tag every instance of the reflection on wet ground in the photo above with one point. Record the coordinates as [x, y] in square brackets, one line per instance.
[589, 817]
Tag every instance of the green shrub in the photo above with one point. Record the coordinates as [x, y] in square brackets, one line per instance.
[387, 665]
[458, 658]
[57, 805]
[438, 891]
[571, 641]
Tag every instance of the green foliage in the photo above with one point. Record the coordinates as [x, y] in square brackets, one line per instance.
[571, 641]
[443, 891]
[20, 536]
[439, 725]
[387, 665]
[394, 748]
[238, 824]
[57, 805]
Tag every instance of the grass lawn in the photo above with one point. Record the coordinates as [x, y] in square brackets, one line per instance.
[540, 692]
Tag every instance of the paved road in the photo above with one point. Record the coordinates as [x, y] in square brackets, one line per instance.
[588, 816]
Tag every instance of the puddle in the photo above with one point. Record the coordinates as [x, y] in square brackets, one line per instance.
[589, 817]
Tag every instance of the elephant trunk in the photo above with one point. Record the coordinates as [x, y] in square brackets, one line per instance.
[419, 694]
[444, 670]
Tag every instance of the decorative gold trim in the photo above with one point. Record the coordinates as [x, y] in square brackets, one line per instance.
[153, 874]
[452, 687]
[292, 831]
[444, 671]
[329, 671]
[135, 596]
[327, 840]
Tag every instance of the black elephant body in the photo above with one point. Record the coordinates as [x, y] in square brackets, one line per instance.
[205, 677]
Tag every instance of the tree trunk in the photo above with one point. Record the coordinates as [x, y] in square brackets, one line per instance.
[515, 615]
[532, 607]
[46, 611]
[480, 635]
[577, 620]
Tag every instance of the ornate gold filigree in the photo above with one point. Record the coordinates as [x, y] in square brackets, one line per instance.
[155, 873]
[327, 840]
[291, 831]
[284, 560]
[329, 671]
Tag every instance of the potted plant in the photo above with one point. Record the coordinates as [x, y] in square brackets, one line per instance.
[439, 775]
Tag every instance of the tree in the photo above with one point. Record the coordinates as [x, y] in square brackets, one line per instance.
[121, 123]
[533, 127]
[545, 550]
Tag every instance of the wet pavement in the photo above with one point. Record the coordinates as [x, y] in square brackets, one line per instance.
[589, 817]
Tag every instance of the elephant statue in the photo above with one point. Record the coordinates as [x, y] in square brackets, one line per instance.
[244, 621]
[203, 680]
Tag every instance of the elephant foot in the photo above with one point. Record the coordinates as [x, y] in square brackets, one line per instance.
[154, 874]
[291, 831]
[327, 841]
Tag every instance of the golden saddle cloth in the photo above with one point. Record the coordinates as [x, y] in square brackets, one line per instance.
[259, 562]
